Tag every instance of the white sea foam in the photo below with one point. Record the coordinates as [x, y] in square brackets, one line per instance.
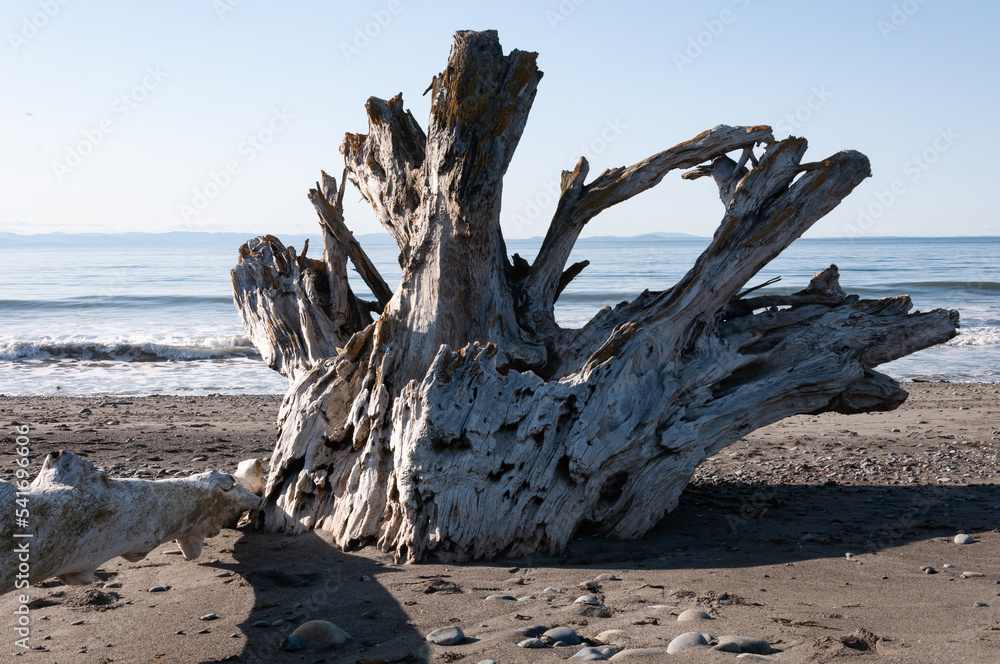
[977, 336]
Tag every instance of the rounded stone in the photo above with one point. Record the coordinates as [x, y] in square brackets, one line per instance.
[564, 634]
[532, 631]
[755, 656]
[964, 539]
[531, 643]
[590, 655]
[693, 614]
[587, 599]
[745, 644]
[319, 635]
[506, 597]
[487, 661]
[686, 641]
[446, 636]
[262, 623]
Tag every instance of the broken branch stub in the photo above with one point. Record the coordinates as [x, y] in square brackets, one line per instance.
[464, 422]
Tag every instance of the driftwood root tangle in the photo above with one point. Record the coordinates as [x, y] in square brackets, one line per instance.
[80, 518]
[463, 421]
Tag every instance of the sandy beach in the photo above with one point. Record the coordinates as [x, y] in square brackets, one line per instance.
[759, 542]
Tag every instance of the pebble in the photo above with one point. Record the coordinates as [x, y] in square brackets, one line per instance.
[744, 644]
[316, 635]
[550, 589]
[531, 643]
[590, 655]
[754, 656]
[693, 614]
[964, 539]
[76, 622]
[611, 635]
[927, 569]
[487, 661]
[446, 636]
[969, 575]
[526, 598]
[948, 566]
[278, 623]
[507, 597]
[587, 599]
[980, 604]
[564, 634]
[262, 623]
[86, 411]
[532, 631]
[685, 641]
[209, 616]
[200, 458]
[157, 589]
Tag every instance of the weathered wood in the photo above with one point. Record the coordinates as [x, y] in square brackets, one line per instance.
[81, 518]
[464, 422]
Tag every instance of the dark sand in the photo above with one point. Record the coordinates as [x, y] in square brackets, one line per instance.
[759, 541]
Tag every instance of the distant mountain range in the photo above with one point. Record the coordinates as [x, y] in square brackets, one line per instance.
[236, 239]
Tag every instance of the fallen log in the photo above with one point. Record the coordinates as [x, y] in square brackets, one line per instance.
[78, 518]
[464, 422]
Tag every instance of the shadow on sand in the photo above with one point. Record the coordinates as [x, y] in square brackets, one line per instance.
[296, 579]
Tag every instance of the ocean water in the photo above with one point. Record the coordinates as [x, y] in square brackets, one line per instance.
[146, 314]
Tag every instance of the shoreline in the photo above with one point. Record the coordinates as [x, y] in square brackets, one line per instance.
[759, 541]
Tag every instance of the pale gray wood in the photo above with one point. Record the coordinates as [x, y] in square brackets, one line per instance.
[464, 422]
[81, 518]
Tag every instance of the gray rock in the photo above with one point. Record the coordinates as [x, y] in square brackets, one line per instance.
[200, 458]
[262, 623]
[532, 631]
[587, 599]
[745, 644]
[685, 641]
[564, 634]
[293, 642]
[209, 616]
[526, 598]
[550, 589]
[316, 635]
[157, 589]
[86, 411]
[969, 575]
[755, 656]
[964, 539]
[446, 636]
[693, 614]
[590, 655]
[531, 643]
[507, 597]
[487, 661]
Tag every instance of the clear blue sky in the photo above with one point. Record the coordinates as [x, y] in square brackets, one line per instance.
[113, 114]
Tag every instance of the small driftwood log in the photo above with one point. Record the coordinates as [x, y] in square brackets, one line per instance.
[463, 421]
[80, 518]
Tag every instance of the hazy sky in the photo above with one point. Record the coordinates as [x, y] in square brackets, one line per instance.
[119, 116]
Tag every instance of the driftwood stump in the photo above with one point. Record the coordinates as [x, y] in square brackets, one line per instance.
[463, 421]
